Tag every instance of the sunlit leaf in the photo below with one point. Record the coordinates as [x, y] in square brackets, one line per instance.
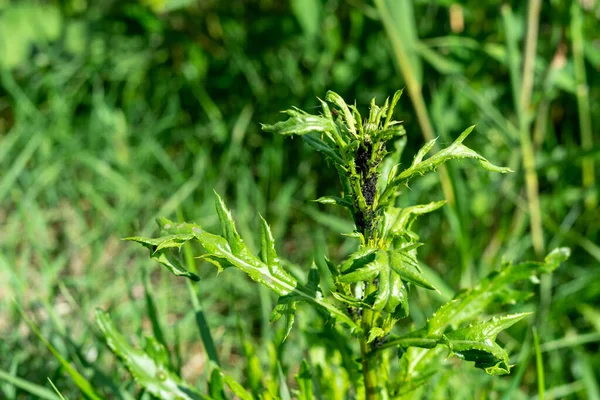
[455, 151]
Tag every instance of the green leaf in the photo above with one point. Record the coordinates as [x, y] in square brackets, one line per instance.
[398, 300]
[395, 99]
[230, 250]
[455, 151]
[268, 254]
[477, 342]
[148, 369]
[387, 270]
[365, 268]
[398, 220]
[406, 266]
[375, 333]
[159, 251]
[40, 392]
[301, 123]
[253, 371]
[469, 304]
[336, 201]
[216, 385]
[324, 148]
[237, 389]
[286, 305]
[347, 115]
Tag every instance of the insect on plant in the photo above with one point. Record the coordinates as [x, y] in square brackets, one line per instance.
[369, 354]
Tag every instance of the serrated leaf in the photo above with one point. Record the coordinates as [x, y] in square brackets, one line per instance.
[150, 373]
[399, 220]
[455, 151]
[468, 304]
[477, 342]
[387, 270]
[300, 123]
[323, 147]
[375, 333]
[231, 251]
[286, 305]
[339, 102]
[406, 266]
[350, 300]
[398, 298]
[268, 254]
[365, 268]
[390, 112]
[159, 251]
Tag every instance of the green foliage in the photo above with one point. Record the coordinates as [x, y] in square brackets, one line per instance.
[115, 112]
[372, 285]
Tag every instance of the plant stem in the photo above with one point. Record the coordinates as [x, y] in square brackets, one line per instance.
[583, 105]
[414, 89]
[369, 373]
[522, 104]
[531, 177]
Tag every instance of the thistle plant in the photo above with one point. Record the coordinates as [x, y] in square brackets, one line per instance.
[371, 286]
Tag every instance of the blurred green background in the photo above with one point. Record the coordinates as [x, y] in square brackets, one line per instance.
[115, 112]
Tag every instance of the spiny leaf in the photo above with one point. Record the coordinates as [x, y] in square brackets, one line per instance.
[336, 99]
[471, 303]
[148, 370]
[375, 333]
[390, 112]
[268, 254]
[455, 151]
[286, 305]
[319, 145]
[399, 220]
[365, 268]
[398, 299]
[477, 342]
[229, 232]
[159, 251]
[467, 306]
[405, 265]
[300, 123]
[231, 251]
[390, 268]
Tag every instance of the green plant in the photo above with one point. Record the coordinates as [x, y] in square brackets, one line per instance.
[367, 311]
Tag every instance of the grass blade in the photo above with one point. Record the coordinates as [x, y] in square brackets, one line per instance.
[83, 384]
[38, 391]
[539, 362]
